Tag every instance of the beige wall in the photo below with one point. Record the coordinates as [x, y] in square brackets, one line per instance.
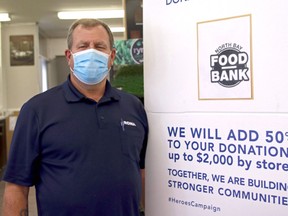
[21, 82]
[1, 75]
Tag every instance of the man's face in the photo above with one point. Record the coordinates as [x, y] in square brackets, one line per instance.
[90, 38]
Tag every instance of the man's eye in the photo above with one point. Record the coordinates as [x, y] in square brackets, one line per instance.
[81, 46]
[101, 48]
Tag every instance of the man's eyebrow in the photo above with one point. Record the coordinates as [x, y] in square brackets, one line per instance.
[82, 42]
[96, 43]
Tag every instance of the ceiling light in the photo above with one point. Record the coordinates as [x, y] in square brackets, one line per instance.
[4, 17]
[104, 14]
[117, 29]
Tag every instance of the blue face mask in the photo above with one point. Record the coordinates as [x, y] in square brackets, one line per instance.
[90, 66]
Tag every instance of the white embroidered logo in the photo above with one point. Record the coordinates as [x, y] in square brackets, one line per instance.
[129, 123]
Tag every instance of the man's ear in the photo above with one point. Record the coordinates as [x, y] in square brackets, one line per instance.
[68, 56]
[112, 56]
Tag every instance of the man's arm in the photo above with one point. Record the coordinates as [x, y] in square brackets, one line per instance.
[15, 200]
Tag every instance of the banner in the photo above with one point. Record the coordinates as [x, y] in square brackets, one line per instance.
[216, 99]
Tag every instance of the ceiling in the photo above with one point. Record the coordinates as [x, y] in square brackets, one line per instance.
[44, 13]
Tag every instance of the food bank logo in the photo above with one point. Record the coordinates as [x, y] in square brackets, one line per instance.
[229, 65]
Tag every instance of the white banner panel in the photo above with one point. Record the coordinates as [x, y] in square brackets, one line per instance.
[175, 52]
[217, 164]
[216, 92]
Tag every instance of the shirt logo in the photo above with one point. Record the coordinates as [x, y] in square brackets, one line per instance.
[128, 123]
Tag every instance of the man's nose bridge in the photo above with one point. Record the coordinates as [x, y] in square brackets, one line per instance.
[92, 45]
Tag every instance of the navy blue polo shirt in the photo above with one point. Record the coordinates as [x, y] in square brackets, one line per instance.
[83, 157]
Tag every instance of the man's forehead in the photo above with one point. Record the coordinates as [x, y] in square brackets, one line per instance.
[95, 33]
[81, 28]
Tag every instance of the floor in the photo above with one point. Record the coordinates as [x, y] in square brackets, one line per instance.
[32, 198]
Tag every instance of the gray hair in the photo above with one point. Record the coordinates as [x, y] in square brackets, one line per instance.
[86, 23]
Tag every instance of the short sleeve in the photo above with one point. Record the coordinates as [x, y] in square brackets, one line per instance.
[21, 167]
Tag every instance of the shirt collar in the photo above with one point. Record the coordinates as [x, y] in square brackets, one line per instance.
[73, 95]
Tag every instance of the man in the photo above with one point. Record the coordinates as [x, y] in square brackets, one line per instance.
[82, 144]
